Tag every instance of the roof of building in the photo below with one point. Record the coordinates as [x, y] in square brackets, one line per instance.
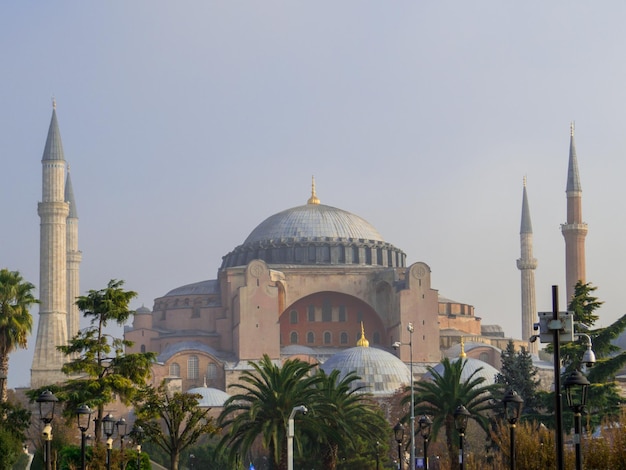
[54, 147]
[472, 365]
[197, 288]
[69, 196]
[211, 397]
[573, 175]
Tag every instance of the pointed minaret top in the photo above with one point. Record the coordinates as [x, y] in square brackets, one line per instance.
[526, 226]
[573, 176]
[313, 199]
[462, 355]
[54, 147]
[54, 103]
[69, 195]
[362, 340]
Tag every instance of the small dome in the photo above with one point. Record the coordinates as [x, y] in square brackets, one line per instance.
[381, 372]
[211, 397]
[488, 372]
[143, 310]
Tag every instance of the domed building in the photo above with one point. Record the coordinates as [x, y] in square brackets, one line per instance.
[301, 284]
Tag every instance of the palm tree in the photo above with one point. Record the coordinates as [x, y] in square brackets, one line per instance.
[440, 397]
[16, 323]
[267, 394]
[341, 415]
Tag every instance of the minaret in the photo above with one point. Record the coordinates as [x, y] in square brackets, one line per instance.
[574, 230]
[53, 212]
[527, 265]
[74, 257]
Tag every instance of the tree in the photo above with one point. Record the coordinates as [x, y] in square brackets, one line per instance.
[14, 422]
[99, 370]
[16, 322]
[441, 396]
[179, 414]
[519, 374]
[266, 395]
[342, 417]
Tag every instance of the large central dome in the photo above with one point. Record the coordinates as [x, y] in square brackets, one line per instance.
[314, 221]
[315, 234]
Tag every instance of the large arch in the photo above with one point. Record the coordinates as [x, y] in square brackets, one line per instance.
[331, 314]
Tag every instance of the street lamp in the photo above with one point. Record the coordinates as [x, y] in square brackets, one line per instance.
[513, 404]
[121, 426]
[396, 345]
[425, 424]
[47, 402]
[108, 425]
[192, 459]
[290, 433]
[461, 416]
[83, 417]
[138, 434]
[576, 387]
[398, 434]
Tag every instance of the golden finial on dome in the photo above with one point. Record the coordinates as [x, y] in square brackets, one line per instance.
[313, 199]
[462, 355]
[362, 340]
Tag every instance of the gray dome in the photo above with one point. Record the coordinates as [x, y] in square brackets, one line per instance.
[381, 372]
[143, 310]
[211, 397]
[315, 234]
[471, 365]
[311, 221]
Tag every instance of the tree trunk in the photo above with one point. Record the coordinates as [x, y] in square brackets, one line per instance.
[174, 458]
[4, 370]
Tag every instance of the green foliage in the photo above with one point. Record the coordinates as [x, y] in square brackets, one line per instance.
[16, 321]
[10, 448]
[440, 397]
[584, 304]
[519, 374]
[100, 370]
[173, 421]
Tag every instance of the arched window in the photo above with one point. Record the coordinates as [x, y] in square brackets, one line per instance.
[293, 317]
[310, 337]
[343, 339]
[311, 313]
[211, 371]
[342, 313]
[174, 369]
[143, 348]
[327, 337]
[327, 311]
[192, 367]
[293, 337]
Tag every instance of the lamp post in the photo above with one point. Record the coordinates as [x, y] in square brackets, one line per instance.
[513, 404]
[461, 416]
[425, 424]
[83, 417]
[108, 425]
[290, 433]
[121, 426]
[192, 459]
[396, 345]
[398, 434]
[47, 402]
[138, 434]
[576, 387]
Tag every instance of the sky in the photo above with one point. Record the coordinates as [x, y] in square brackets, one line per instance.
[186, 124]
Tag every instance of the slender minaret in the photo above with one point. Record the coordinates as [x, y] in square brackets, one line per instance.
[74, 257]
[574, 230]
[527, 265]
[53, 212]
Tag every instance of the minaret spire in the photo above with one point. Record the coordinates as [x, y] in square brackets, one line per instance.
[574, 230]
[53, 211]
[527, 265]
[74, 257]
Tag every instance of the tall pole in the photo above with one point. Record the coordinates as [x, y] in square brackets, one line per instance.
[512, 459]
[558, 405]
[577, 426]
[425, 453]
[83, 439]
[290, 433]
[461, 459]
[399, 456]
[412, 464]
[48, 452]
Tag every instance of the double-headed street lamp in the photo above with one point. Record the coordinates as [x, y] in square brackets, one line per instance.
[576, 387]
[461, 415]
[396, 345]
[513, 404]
[425, 424]
[47, 402]
[83, 418]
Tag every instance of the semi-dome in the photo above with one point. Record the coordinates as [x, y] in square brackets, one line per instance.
[381, 373]
[315, 234]
[211, 397]
[487, 371]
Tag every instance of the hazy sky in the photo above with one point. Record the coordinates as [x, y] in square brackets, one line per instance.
[186, 124]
